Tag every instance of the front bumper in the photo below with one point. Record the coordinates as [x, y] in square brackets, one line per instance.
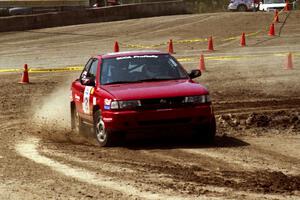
[160, 119]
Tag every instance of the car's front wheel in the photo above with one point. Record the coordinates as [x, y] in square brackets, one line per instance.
[104, 136]
[206, 133]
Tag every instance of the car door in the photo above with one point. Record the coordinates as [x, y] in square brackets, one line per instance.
[78, 88]
[86, 91]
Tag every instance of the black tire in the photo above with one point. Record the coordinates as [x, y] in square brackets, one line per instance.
[242, 8]
[4, 12]
[105, 137]
[76, 122]
[206, 133]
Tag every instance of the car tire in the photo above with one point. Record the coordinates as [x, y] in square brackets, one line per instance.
[105, 137]
[76, 122]
[242, 8]
[206, 133]
[4, 12]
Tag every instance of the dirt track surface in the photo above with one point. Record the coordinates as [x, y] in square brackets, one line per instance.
[257, 103]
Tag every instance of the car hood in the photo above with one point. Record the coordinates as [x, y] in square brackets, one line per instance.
[157, 89]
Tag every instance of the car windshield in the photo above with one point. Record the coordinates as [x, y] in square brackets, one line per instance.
[140, 68]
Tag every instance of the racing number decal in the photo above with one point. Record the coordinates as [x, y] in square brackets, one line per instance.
[86, 99]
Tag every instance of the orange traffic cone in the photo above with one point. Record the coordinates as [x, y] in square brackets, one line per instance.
[116, 47]
[25, 77]
[210, 44]
[276, 17]
[286, 8]
[202, 63]
[272, 30]
[243, 40]
[289, 62]
[170, 47]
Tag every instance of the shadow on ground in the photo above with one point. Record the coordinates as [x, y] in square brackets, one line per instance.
[187, 142]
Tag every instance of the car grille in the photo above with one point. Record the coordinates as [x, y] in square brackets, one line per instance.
[165, 122]
[161, 103]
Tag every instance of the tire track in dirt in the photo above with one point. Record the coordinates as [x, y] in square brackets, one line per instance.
[156, 177]
[262, 105]
[90, 164]
[176, 26]
[28, 149]
[288, 153]
[152, 181]
[199, 177]
[138, 176]
[230, 159]
[247, 111]
[252, 158]
[188, 159]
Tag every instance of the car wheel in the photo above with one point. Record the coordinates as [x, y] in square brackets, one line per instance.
[206, 133]
[104, 136]
[4, 12]
[242, 8]
[76, 122]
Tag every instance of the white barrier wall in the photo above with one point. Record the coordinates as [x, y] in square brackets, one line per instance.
[42, 3]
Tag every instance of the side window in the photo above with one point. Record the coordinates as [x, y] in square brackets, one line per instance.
[93, 69]
[85, 70]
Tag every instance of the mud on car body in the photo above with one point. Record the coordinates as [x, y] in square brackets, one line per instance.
[140, 92]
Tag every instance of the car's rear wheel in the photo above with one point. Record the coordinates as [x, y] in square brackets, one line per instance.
[104, 136]
[76, 122]
[206, 133]
[242, 8]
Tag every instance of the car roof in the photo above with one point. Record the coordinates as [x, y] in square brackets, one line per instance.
[131, 53]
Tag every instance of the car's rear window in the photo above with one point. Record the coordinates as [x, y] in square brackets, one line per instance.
[141, 68]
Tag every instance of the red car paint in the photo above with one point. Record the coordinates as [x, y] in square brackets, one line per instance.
[161, 100]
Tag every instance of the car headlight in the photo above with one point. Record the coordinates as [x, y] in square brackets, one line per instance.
[197, 99]
[125, 104]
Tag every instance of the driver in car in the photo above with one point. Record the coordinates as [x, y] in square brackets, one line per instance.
[152, 70]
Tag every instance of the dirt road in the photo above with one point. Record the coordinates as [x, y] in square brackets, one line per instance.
[257, 103]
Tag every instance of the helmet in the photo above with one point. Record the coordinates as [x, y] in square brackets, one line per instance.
[152, 70]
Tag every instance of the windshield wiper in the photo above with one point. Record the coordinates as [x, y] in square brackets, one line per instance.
[143, 80]
[119, 82]
[155, 79]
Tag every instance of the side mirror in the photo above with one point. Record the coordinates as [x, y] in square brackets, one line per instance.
[195, 73]
[88, 81]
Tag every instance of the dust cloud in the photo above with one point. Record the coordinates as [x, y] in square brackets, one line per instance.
[54, 110]
[52, 117]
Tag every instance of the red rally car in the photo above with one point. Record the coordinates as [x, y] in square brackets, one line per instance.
[141, 92]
